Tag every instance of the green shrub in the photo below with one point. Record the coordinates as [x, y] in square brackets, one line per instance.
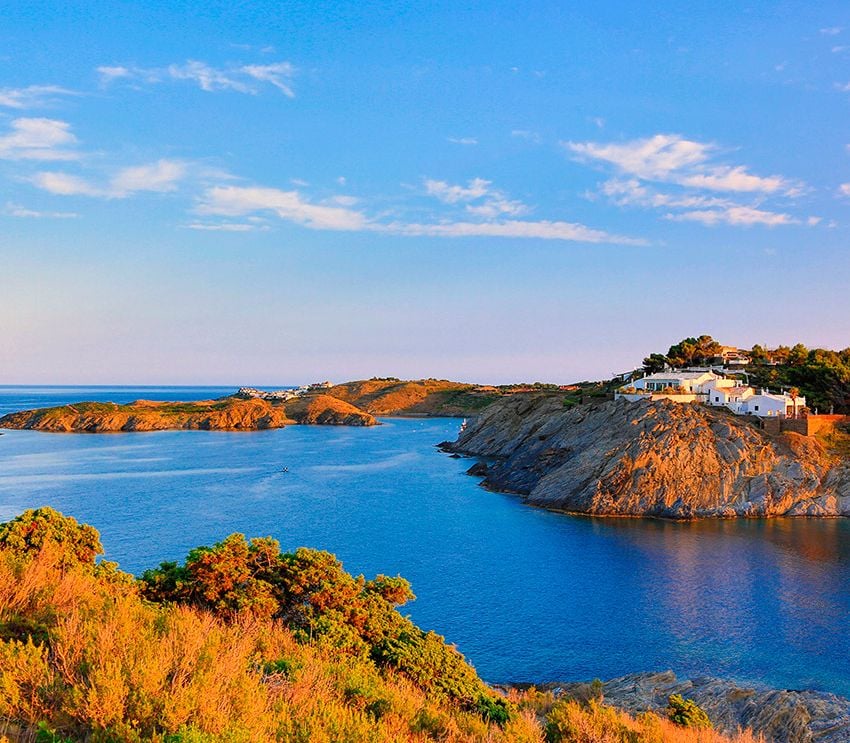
[686, 712]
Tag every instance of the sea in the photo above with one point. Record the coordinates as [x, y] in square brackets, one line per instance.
[525, 594]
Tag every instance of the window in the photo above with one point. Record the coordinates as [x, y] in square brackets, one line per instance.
[756, 407]
[716, 399]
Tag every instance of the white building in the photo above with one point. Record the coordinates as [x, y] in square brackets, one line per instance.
[710, 388]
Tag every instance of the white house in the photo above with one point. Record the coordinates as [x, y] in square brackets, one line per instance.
[688, 381]
[710, 388]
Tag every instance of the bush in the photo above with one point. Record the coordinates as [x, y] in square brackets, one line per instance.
[686, 712]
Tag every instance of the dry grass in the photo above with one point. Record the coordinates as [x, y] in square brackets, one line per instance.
[85, 656]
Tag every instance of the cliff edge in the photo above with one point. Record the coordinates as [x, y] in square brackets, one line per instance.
[661, 459]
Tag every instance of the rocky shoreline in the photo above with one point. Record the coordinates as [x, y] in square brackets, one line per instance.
[650, 459]
[780, 715]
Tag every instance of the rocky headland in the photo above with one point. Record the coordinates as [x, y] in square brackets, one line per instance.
[225, 414]
[249, 409]
[781, 716]
[659, 459]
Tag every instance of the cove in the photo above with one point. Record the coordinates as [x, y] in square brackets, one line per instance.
[526, 595]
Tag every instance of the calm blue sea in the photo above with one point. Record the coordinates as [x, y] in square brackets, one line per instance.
[526, 595]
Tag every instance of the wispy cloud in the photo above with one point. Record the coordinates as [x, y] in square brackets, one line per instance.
[463, 140]
[292, 206]
[694, 186]
[844, 189]
[32, 96]
[832, 30]
[479, 197]
[241, 78]
[16, 210]
[227, 226]
[671, 158]
[38, 139]
[235, 201]
[160, 176]
[745, 216]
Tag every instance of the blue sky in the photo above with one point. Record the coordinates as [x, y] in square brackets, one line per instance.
[279, 192]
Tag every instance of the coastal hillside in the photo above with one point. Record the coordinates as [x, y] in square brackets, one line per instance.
[659, 459]
[425, 397]
[229, 413]
[243, 643]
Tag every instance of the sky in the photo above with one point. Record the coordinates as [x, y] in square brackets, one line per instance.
[281, 192]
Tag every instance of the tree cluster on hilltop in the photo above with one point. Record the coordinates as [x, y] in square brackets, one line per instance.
[821, 375]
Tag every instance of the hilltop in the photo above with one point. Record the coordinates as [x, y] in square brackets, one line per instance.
[661, 459]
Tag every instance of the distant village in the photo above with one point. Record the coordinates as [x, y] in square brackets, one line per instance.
[720, 383]
[282, 395]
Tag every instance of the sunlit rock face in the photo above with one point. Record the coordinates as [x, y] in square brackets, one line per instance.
[652, 459]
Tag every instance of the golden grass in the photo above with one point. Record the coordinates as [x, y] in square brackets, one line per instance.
[86, 656]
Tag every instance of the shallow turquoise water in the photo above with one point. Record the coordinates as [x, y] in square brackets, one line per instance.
[527, 595]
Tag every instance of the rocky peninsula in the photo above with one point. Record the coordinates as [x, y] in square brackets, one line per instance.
[224, 414]
[249, 409]
[658, 459]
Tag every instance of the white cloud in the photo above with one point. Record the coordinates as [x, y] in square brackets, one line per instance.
[33, 96]
[291, 206]
[654, 158]
[734, 215]
[544, 230]
[16, 210]
[160, 176]
[813, 221]
[38, 139]
[279, 75]
[235, 201]
[463, 140]
[670, 158]
[240, 78]
[64, 184]
[844, 189]
[108, 74]
[831, 30]
[480, 199]
[449, 194]
[631, 192]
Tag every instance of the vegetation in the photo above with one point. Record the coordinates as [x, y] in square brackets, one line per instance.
[820, 375]
[686, 712]
[244, 643]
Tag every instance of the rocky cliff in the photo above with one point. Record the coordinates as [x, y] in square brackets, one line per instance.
[228, 413]
[781, 716]
[658, 459]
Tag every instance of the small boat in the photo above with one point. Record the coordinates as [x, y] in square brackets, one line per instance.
[284, 470]
[463, 426]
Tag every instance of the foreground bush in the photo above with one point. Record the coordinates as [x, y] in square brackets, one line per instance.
[243, 643]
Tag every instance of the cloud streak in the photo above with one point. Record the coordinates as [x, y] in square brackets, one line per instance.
[161, 176]
[244, 78]
[32, 96]
[696, 187]
[291, 206]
